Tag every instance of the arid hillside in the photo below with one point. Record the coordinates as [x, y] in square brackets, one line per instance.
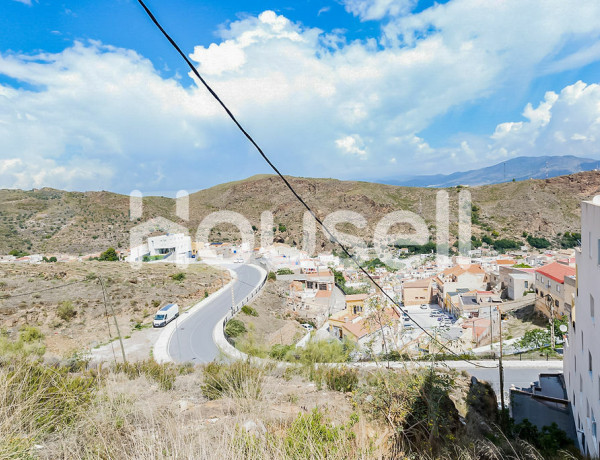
[49, 220]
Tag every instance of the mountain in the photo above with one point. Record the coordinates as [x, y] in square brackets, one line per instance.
[518, 169]
[51, 221]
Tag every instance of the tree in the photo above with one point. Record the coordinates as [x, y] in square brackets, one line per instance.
[535, 338]
[538, 243]
[110, 255]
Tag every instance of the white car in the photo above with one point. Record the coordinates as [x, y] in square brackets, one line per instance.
[424, 307]
[239, 260]
[307, 326]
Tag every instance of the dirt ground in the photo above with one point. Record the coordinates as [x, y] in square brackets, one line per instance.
[523, 320]
[34, 295]
[275, 323]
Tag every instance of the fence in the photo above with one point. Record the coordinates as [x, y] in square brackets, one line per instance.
[238, 306]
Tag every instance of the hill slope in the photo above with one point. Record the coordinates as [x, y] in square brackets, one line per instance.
[49, 220]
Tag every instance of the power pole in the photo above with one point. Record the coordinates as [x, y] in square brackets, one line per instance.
[500, 368]
[114, 317]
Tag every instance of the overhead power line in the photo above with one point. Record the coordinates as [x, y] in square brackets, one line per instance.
[287, 183]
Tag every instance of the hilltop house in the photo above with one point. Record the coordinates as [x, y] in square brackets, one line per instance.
[417, 292]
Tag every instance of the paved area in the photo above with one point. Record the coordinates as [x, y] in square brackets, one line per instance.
[193, 341]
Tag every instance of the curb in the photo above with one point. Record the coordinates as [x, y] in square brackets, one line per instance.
[161, 347]
[218, 334]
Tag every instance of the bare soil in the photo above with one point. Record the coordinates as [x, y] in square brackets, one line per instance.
[32, 295]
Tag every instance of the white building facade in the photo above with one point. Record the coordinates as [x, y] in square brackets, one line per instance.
[582, 351]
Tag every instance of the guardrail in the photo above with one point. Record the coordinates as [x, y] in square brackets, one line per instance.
[238, 306]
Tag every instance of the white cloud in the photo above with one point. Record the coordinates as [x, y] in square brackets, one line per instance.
[314, 101]
[368, 10]
[352, 144]
[26, 2]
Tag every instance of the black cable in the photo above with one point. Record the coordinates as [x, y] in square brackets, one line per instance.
[9, 296]
[289, 186]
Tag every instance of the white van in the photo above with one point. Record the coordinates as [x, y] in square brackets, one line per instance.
[165, 315]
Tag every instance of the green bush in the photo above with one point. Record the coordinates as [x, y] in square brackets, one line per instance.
[238, 379]
[110, 255]
[30, 334]
[234, 328]
[271, 276]
[178, 276]
[538, 243]
[341, 379]
[279, 352]
[313, 436]
[248, 310]
[285, 271]
[66, 310]
[505, 243]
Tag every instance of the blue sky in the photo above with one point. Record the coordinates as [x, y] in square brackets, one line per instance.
[92, 97]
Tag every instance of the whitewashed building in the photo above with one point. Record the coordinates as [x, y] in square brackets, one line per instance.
[582, 352]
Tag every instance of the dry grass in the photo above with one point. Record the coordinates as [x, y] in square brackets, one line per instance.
[58, 413]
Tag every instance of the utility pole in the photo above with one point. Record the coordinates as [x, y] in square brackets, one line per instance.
[491, 330]
[500, 368]
[114, 317]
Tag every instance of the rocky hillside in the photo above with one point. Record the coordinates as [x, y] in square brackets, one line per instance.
[49, 220]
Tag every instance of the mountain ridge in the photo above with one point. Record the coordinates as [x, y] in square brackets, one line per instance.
[517, 169]
[54, 221]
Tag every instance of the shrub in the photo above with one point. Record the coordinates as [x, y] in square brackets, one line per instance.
[312, 436]
[110, 255]
[235, 328]
[163, 374]
[178, 276]
[341, 379]
[66, 310]
[271, 276]
[285, 271]
[30, 334]
[43, 398]
[538, 243]
[237, 379]
[248, 310]
[280, 352]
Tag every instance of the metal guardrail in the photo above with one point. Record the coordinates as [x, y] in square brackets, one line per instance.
[238, 306]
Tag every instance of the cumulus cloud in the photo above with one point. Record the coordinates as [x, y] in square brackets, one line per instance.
[95, 116]
[26, 2]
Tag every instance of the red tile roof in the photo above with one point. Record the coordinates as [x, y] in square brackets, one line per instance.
[556, 271]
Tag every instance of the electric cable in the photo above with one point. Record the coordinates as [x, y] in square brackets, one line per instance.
[287, 183]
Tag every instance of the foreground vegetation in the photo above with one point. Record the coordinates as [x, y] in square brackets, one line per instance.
[241, 410]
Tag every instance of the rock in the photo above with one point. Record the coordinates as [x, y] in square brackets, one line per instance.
[254, 428]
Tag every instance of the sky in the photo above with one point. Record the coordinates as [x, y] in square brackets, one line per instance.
[92, 97]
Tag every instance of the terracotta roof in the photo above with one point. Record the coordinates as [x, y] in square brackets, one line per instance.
[505, 262]
[355, 297]
[556, 271]
[418, 283]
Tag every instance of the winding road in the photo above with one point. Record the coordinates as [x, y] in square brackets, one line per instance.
[192, 340]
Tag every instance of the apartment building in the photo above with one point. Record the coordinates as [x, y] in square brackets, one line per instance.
[582, 351]
[550, 288]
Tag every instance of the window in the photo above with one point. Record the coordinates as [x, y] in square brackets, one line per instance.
[592, 312]
[558, 288]
[593, 425]
[589, 242]
[526, 284]
[590, 363]
[598, 252]
[556, 303]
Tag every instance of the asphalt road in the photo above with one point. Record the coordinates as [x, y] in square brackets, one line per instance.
[192, 341]
[520, 378]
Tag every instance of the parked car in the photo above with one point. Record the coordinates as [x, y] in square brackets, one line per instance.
[424, 307]
[308, 327]
[165, 315]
